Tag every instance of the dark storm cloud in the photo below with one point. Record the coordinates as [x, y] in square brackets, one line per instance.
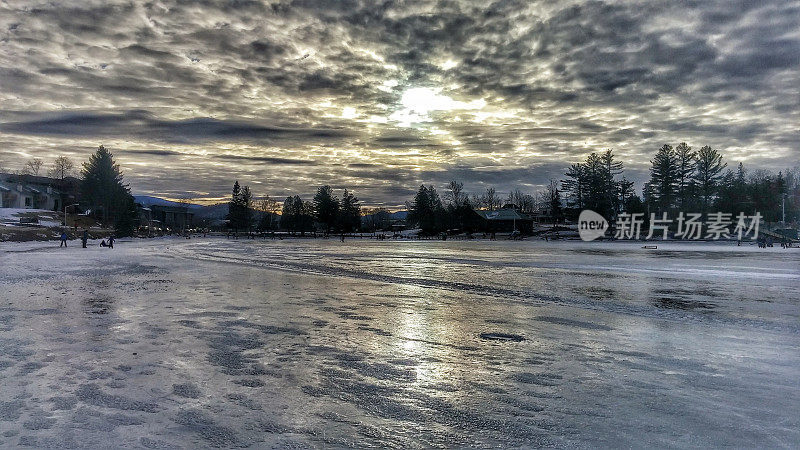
[403, 141]
[144, 126]
[267, 87]
[268, 160]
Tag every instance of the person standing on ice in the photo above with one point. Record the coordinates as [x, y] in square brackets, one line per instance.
[85, 237]
[63, 239]
[111, 241]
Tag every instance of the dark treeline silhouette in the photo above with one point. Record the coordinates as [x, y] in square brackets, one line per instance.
[681, 180]
[428, 213]
[597, 184]
[700, 181]
[297, 215]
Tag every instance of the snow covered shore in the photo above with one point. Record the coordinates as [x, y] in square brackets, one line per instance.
[222, 343]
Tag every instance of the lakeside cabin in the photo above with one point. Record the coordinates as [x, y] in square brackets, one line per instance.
[35, 192]
[505, 220]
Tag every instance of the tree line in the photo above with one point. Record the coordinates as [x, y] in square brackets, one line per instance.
[681, 179]
[334, 214]
[700, 181]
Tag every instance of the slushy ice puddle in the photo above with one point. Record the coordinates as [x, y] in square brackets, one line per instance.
[319, 343]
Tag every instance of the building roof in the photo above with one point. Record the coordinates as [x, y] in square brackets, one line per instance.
[503, 214]
[28, 182]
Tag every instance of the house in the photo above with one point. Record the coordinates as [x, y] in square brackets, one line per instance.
[165, 218]
[506, 219]
[34, 192]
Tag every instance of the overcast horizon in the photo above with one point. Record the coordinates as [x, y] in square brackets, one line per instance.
[380, 97]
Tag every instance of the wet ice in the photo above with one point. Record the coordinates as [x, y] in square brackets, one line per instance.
[401, 344]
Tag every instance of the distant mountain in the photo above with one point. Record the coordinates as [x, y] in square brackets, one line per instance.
[218, 211]
[400, 215]
[210, 212]
[147, 200]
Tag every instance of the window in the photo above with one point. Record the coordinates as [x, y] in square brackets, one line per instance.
[27, 201]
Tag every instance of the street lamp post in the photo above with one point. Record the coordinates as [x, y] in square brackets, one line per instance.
[65, 212]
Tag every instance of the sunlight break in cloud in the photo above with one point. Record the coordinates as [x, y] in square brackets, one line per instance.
[419, 103]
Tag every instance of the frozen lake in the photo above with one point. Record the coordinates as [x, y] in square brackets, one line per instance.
[317, 343]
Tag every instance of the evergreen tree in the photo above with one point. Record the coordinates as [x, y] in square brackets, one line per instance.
[426, 210]
[575, 187]
[289, 215]
[598, 181]
[611, 169]
[246, 205]
[326, 207]
[707, 175]
[125, 217]
[626, 193]
[593, 185]
[664, 178]
[554, 200]
[237, 209]
[103, 189]
[349, 212]
[686, 161]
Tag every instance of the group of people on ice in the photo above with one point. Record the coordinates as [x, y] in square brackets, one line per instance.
[85, 239]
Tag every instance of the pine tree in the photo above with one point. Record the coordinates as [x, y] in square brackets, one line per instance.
[125, 217]
[235, 209]
[326, 207]
[246, 208]
[686, 161]
[554, 201]
[611, 169]
[626, 193]
[349, 212]
[103, 188]
[664, 178]
[708, 174]
[289, 215]
[575, 186]
[426, 211]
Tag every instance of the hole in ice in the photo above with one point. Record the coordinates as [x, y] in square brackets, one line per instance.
[502, 337]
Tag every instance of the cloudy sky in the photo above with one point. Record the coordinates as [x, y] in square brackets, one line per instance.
[381, 96]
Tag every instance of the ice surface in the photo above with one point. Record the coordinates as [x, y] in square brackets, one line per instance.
[222, 343]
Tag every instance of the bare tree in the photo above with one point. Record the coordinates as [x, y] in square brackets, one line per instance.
[269, 208]
[490, 199]
[62, 168]
[455, 193]
[525, 202]
[33, 167]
